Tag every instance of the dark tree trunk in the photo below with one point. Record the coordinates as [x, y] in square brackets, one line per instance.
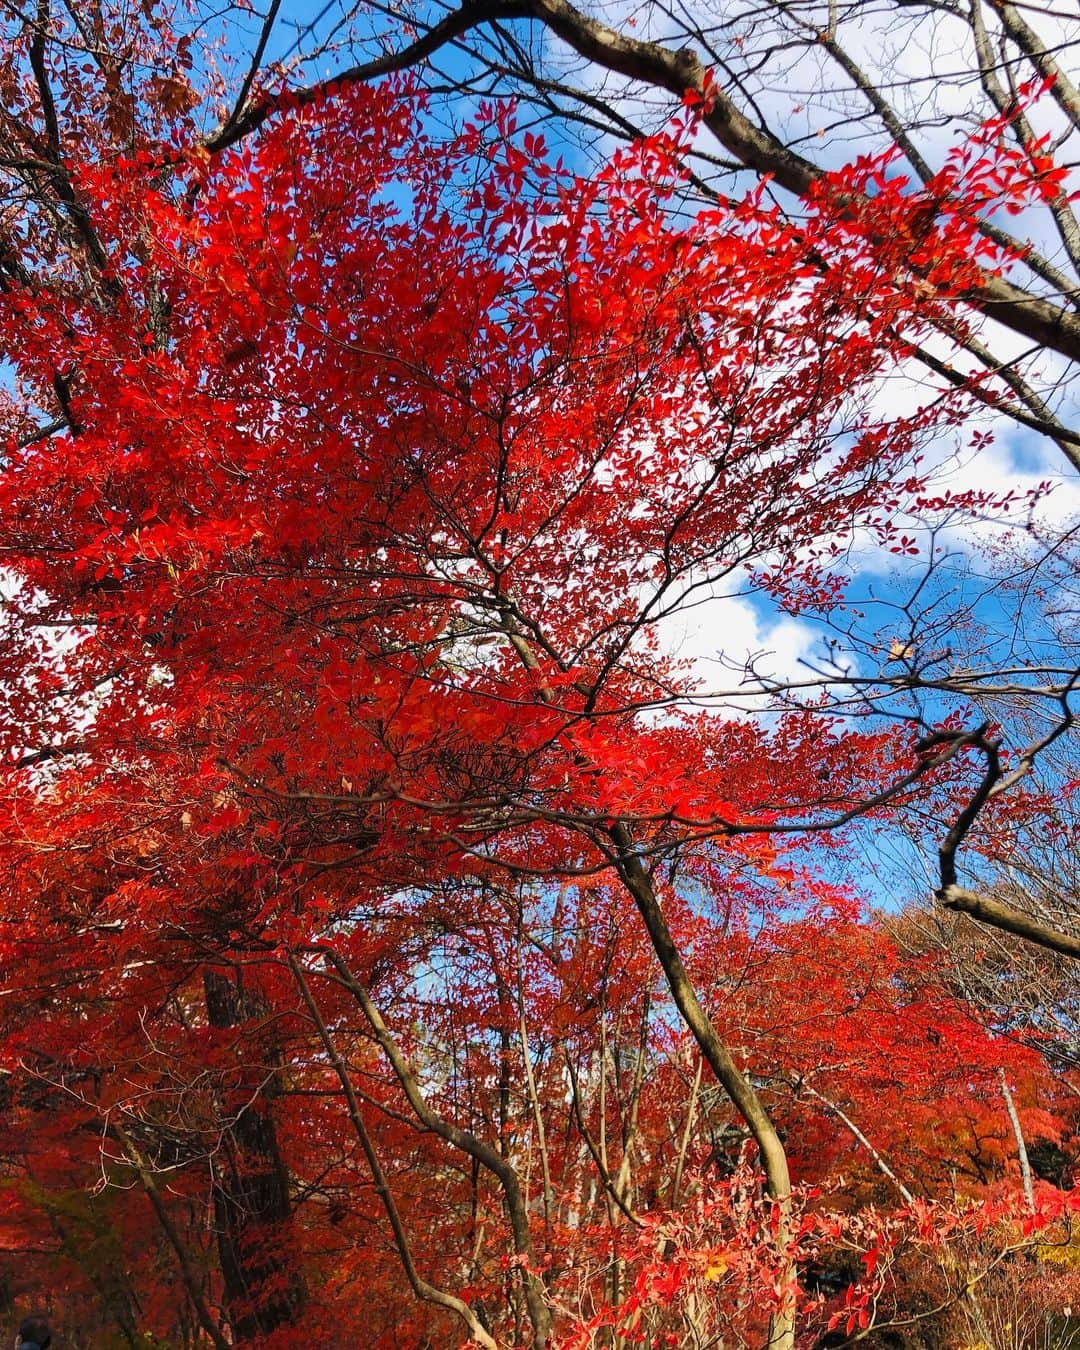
[264, 1289]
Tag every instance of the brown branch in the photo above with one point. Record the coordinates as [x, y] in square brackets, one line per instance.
[678, 72]
[1008, 106]
[254, 64]
[1007, 919]
[42, 433]
[590, 1143]
[995, 781]
[631, 871]
[637, 881]
[688, 1126]
[467, 1142]
[41, 79]
[681, 72]
[423, 1290]
[149, 1183]
[453, 26]
[1062, 89]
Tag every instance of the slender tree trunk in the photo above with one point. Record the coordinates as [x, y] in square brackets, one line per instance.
[738, 1087]
[530, 1083]
[422, 1288]
[634, 876]
[630, 1110]
[882, 1166]
[688, 1126]
[1021, 1146]
[538, 1119]
[467, 1142]
[145, 1174]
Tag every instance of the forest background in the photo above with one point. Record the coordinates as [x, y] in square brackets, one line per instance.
[538, 673]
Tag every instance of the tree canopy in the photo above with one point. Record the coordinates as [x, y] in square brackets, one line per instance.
[405, 942]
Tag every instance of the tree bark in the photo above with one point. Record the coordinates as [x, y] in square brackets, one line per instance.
[1021, 1145]
[735, 1084]
[264, 1290]
[996, 914]
[422, 1288]
[681, 72]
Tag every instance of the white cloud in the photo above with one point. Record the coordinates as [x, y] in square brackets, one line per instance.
[730, 646]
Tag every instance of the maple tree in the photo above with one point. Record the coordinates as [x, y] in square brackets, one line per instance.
[394, 943]
[804, 85]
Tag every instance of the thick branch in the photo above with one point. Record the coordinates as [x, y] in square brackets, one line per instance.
[637, 881]
[255, 63]
[460, 21]
[996, 914]
[679, 72]
[1008, 107]
[41, 79]
[735, 1084]
[1029, 42]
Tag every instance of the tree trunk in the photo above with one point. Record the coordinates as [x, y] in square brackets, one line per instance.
[264, 1290]
[736, 1084]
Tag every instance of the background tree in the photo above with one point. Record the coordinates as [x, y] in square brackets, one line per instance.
[360, 466]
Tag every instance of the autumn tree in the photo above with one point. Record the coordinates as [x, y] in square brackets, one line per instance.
[797, 88]
[367, 855]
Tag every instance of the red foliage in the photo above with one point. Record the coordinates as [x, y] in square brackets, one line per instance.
[332, 664]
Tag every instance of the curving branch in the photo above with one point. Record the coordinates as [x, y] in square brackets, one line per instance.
[487, 1157]
[423, 1290]
[242, 123]
[679, 73]
[996, 780]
